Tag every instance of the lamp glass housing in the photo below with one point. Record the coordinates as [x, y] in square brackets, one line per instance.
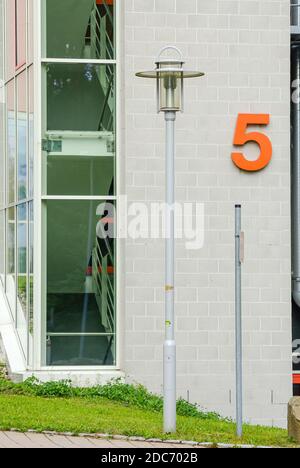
[170, 74]
[170, 86]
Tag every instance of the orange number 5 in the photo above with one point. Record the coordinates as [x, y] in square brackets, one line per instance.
[241, 137]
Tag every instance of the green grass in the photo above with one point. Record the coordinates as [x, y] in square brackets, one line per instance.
[124, 413]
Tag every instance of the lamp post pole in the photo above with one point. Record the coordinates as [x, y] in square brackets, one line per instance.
[238, 321]
[170, 344]
[170, 75]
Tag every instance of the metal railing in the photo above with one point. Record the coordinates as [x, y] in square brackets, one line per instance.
[103, 282]
[102, 47]
[106, 103]
[99, 38]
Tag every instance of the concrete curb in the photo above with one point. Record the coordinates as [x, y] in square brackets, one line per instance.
[207, 445]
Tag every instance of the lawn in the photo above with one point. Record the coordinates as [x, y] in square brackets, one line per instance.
[96, 414]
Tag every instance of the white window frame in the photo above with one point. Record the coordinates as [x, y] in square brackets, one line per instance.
[39, 302]
[23, 345]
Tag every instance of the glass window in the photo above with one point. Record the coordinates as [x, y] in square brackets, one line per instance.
[80, 97]
[2, 149]
[16, 165]
[80, 29]
[11, 142]
[30, 13]
[22, 136]
[2, 246]
[31, 277]
[20, 33]
[10, 45]
[22, 273]
[79, 160]
[31, 129]
[79, 142]
[80, 283]
[80, 350]
[11, 259]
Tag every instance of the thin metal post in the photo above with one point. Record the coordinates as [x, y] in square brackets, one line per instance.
[169, 344]
[238, 321]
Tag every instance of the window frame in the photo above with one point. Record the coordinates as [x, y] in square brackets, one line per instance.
[40, 212]
[23, 61]
[12, 77]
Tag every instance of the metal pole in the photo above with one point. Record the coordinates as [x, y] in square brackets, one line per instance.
[238, 322]
[169, 344]
[295, 13]
[295, 146]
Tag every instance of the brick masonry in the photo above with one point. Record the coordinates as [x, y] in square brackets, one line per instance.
[244, 49]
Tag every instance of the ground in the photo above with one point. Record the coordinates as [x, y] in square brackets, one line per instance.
[31, 440]
[99, 415]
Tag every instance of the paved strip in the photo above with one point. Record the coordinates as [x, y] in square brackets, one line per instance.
[7, 442]
[41, 440]
[124, 444]
[61, 441]
[21, 440]
[81, 442]
[146, 445]
[34, 440]
[101, 443]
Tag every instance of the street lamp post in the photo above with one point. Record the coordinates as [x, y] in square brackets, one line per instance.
[170, 74]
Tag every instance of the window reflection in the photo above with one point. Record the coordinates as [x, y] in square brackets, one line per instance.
[16, 246]
[31, 131]
[2, 243]
[80, 285]
[2, 150]
[20, 33]
[22, 272]
[22, 136]
[82, 29]
[80, 97]
[11, 260]
[30, 31]
[79, 143]
[10, 44]
[31, 278]
[11, 141]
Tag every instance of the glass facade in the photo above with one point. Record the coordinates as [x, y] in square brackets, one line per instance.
[79, 140]
[20, 32]
[11, 141]
[22, 135]
[16, 164]
[80, 29]
[77, 163]
[80, 285]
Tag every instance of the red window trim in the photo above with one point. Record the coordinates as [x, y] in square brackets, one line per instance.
[108, 2]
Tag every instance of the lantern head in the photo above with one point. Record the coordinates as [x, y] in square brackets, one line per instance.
[170, 74]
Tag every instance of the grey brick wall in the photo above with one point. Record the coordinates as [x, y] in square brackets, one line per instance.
[243, 46]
